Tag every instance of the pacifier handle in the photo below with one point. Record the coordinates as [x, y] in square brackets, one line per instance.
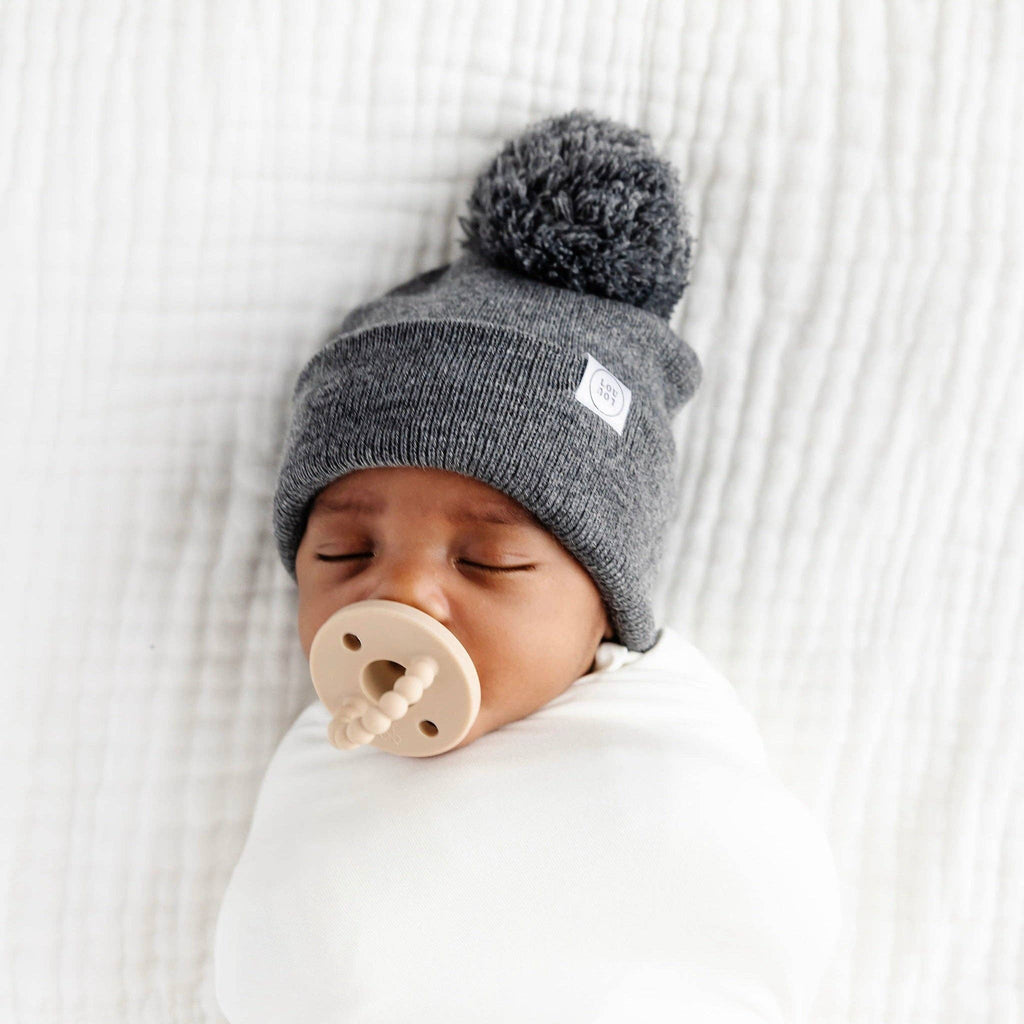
[363, 721]
[373, 662]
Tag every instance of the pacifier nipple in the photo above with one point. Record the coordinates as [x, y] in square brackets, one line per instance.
[394, 677]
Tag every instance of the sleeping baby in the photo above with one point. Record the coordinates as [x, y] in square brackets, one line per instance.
[482, 460]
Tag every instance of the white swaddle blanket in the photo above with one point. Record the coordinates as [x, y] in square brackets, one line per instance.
[624, 852]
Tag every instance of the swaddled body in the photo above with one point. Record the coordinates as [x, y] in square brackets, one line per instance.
[622, 853]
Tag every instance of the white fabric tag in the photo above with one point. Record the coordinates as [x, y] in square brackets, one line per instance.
[602, 392]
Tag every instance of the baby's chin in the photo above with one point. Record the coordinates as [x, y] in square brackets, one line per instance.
[480, 727]
[487, 721]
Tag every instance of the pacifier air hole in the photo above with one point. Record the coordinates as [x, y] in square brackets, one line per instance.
[381, 676]
[428, 728]
[351, 641]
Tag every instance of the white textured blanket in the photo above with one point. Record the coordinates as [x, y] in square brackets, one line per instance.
[624, 850]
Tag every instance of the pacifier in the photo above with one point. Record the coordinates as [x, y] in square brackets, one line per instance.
[393, 676]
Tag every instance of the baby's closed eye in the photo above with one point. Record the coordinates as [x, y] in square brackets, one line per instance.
[464, 561]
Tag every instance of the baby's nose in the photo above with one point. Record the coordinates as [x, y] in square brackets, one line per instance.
[413, 581]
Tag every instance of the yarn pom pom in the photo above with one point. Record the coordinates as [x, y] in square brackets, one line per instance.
[585, 203]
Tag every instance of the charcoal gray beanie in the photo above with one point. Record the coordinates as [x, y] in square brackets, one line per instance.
[540, 361]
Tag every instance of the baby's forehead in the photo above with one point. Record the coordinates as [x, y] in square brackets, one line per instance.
[483, 500]
[425, 492]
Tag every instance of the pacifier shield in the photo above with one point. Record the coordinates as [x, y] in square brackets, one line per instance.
[405, 680]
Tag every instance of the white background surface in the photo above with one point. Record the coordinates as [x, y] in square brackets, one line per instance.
[193, 194]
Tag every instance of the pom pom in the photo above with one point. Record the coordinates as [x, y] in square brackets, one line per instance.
[586, 204]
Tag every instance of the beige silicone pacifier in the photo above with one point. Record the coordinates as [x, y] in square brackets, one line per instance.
[393, 676]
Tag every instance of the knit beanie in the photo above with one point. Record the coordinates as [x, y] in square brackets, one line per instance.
[540, 361]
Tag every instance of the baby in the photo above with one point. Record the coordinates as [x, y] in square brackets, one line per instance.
[468, 556]
[490, 443]
[535, 377]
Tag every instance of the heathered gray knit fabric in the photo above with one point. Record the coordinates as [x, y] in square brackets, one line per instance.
[577, 251]
[473, 369]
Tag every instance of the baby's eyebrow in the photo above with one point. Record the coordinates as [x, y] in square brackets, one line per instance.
[510, 515]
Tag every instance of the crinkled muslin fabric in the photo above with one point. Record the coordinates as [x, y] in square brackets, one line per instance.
[623, 852]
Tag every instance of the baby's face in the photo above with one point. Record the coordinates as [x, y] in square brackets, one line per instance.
[394, 534]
